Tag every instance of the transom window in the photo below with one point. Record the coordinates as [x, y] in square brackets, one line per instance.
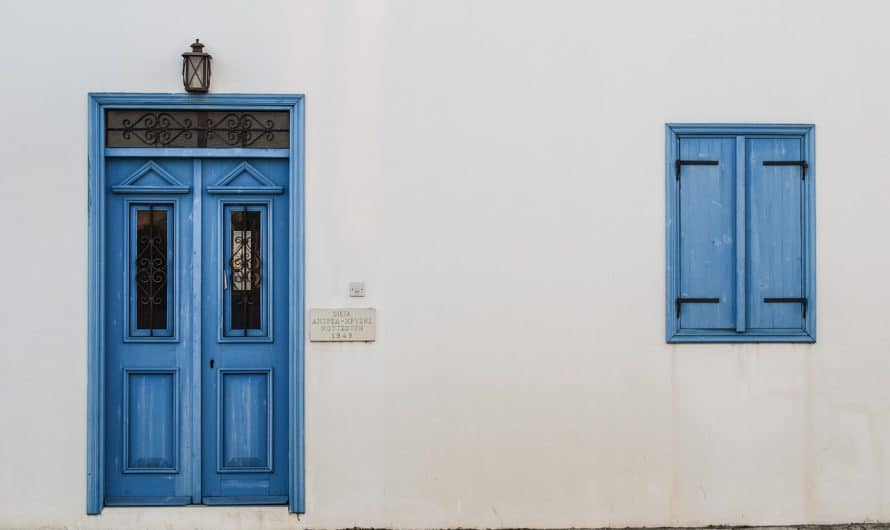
[257, 129]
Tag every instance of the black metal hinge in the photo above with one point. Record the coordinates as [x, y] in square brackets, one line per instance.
[682, 300]
[680, 163]
[802, 301]
[802, 163]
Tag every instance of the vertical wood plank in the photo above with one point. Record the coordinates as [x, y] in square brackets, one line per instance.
[775, 234]
[740, 225]
[707, 233]
[672, 231]
[96, 310]
[809, 146]
[296, 268]
[194, 449]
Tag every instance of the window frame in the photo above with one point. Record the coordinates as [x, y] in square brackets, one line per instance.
[673, 133]
[131, 208]
[226, 333]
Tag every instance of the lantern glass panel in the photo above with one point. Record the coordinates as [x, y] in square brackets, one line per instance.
[195, 72]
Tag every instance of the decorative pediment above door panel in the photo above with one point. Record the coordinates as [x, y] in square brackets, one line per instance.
[151, 178]
[245, 180]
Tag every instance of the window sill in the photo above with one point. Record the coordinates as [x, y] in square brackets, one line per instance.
[691, 336]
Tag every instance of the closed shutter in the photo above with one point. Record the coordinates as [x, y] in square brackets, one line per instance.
[775, 178]
[707, 260]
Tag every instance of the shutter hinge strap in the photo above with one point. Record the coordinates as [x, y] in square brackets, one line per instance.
[802, 301]
[686, 300]
[680, 163]
[802, 163]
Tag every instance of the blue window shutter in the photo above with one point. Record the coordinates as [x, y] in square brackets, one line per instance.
[707, 254]
[740, 233]
[775, 256]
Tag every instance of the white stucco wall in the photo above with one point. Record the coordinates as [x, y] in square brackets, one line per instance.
[494, 172]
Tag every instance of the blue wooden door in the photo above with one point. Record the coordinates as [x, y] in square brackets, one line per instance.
[196, 331]
[244, 329]
[148, 352]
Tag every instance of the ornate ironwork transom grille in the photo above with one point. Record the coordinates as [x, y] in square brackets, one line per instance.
[246, 268]
[151, 269]
[265, 129]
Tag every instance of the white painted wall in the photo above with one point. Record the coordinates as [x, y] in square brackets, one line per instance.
[494, 172]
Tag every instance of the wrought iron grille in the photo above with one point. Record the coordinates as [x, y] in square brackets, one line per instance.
[246, 267]
[151, 269]
[196, 128]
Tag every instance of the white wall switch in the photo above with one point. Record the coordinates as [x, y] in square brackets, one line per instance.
[357, 289]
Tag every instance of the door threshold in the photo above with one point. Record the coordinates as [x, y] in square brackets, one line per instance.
[147, 501]
[246, 500]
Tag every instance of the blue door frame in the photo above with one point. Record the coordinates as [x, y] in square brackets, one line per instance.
[98, 103]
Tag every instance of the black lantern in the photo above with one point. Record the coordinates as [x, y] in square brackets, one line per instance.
[196, 69]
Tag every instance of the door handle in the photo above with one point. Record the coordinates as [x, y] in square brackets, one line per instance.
[224, 279]
[211, 363]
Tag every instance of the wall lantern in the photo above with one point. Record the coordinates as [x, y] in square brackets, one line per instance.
[196, 69]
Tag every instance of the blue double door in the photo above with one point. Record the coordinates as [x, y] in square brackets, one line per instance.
[196, 331]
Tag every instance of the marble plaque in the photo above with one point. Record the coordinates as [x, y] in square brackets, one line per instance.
[343, 325]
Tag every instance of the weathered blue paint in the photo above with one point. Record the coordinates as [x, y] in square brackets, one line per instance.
[296, 301]
[199, 152]
[151, 426]
[245, 500]
[151, 178]
[171, 411]
[144, 412]
[147, 501]
[245, 179]
[741, 232]
[707, 233]
[774, 233]
[245, 395]
[96, 311]
[741, 324]
[130, 351]
[195, 399]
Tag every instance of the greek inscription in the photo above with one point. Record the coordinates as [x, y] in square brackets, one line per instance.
[342, 325]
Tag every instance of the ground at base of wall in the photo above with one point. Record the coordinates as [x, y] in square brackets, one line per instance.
[849, 526]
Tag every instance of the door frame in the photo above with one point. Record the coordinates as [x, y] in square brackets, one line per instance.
[98, 102]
